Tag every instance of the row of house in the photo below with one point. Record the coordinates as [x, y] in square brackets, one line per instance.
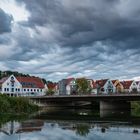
[22, 86]
[104, 86]
[34, 86]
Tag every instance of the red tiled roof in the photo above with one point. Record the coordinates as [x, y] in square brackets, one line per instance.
[69, 80]
[51, 85]
[30, 82]
[3, 80]
[126, 84]
[102, 82]
[113, 81]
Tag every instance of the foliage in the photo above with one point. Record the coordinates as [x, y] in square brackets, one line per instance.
[16, 105]
[83, 86]
[82, 129]
[50, 92]
[135, 105]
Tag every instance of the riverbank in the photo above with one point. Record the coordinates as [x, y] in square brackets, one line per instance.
[16, 105]
[135, 105]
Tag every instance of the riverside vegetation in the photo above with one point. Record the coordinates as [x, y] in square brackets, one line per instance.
[18, 105]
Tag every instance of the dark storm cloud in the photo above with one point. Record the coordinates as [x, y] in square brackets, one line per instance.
[5, 23]
[80, 22]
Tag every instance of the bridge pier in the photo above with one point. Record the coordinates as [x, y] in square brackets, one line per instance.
[114, 108]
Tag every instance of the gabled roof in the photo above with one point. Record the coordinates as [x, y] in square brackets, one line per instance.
[30, 82]
[102, 82]
[113, 81]
[126, 84]
[51, 85]
[137, 82]
[69, 80]
[94, 85]
[3, 79]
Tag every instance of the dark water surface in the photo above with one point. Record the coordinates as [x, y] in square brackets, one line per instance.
[69, 125]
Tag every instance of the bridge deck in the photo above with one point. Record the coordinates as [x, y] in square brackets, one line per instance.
[126, 97]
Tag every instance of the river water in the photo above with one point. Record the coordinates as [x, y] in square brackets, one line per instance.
[69, 125]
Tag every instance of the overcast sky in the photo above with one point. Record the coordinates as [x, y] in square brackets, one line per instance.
[57, 39]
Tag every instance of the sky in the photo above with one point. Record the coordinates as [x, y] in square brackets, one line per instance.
[57, 39]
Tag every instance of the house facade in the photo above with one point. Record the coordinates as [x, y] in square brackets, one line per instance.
[105, 86]
[118, 85]
[67, 86]
[130, 86]
[22, 86]
[138, 86]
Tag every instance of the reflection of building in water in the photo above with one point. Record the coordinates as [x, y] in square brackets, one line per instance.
[31, 125]
[26, 126]
[82, 128]
[10, 128]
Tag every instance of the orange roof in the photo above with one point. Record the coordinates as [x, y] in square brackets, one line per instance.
[126, 84]
[30, 82]
[113, 81]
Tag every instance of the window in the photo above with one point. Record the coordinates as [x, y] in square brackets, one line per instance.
[27, 89]
[4, 89]
[24, 89]
[7, 89]
[37, 90]
[18, 89]
[40, 90]
[34, 89]
[31, 89]
[12, 89]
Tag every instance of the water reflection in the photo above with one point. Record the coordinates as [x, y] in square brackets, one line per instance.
[70, 125]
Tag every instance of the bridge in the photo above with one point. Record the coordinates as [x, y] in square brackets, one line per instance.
[108, 102]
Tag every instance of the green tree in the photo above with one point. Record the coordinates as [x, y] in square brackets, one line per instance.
[50, 92]
[82, 129]
[83, 86]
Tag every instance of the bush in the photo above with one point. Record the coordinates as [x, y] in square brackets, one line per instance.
[16, 105]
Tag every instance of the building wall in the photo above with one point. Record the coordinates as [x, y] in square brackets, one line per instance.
[15, 88]
[62, 87]
[133, 87]
[118, 86]
[10, 87]
[138, 87]
[94, 91]
[109, 87]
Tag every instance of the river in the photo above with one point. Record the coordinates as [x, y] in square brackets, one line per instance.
[69, 125]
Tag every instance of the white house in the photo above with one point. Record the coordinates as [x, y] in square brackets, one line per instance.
[67, 86]
[138, 86]
[105, 86]
[130, 86]
[22, 86]
[70, 86]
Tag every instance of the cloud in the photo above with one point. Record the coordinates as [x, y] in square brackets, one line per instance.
[5, 22]
[64, 38]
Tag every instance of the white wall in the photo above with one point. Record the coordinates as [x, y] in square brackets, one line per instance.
[109, 83]
[138, 87]
[18, 90]
[133, 86]
[7, 85]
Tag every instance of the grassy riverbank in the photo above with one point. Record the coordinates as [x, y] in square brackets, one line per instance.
[16, 105]
[135, 105]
